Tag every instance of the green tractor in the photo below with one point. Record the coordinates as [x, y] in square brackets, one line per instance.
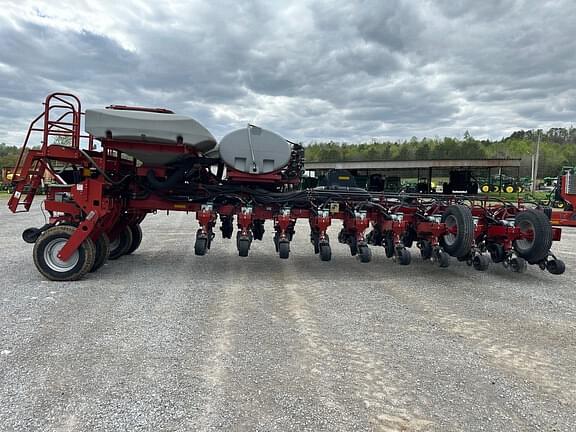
[502, 183]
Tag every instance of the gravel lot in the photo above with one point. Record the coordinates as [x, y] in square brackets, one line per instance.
[165, 340]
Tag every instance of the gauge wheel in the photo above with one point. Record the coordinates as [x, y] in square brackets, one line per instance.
[46, 251]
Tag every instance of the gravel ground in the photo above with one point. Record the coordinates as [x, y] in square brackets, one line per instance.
[165, 340]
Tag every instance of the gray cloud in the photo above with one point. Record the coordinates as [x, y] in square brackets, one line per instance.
[311, 70]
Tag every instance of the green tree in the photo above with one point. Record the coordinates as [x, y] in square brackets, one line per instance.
[423, 150]
[8, 155]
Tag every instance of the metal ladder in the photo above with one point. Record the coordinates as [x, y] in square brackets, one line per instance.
[61, 118]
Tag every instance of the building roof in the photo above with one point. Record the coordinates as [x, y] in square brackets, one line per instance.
[414, 164]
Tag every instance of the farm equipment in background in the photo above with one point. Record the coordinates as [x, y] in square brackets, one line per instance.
[152, 159]
[559, 196]
[7, 176]
[501, 183]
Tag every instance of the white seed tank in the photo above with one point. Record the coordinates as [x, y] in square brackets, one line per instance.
[254, 150]
[153, 127]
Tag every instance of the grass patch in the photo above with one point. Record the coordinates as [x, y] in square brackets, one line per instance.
[531, 196]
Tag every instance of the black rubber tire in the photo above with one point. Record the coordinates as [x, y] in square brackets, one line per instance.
[364, 254]
[481, 262]
[556, 266]
[325, 252]
[136, 238]
[518, 265]
[284, 249]
[200, 246]
[243, 247]
[50, 242]
[404, 256]
[537, 249]
[102, 250]
[119, 246]
[459, 244]
[30, 235]
[443, 259]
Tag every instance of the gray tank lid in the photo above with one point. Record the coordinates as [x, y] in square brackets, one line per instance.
[148, 126]
[254, 150]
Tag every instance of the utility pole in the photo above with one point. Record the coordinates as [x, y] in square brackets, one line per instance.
[536, 161]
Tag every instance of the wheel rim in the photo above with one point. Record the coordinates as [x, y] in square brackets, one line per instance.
[51, 256]
[451, 225]
[525, 227]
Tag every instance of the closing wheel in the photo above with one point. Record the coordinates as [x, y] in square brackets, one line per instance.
[537, 231]
[481, 262]
[518, 265]
[404, 256]
[243, 247]
[201, 246]
[443, 259]
[460, 226]
[120, 244]
[136, 238]
[318, 243]
[102, 250]
[364, 254]
[556, 266]
[325, 252]
[46, 251]
[284, 249]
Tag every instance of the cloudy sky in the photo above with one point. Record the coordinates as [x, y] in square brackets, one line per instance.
[307, 69]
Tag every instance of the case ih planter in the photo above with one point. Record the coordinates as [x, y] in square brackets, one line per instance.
[152, 159]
